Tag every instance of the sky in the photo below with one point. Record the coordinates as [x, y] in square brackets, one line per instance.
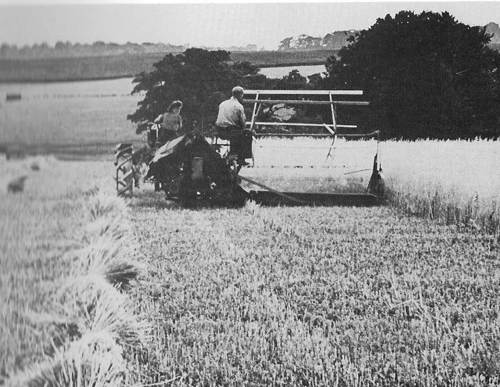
[198, 23]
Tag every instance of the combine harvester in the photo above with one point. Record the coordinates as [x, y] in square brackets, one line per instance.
[196, 168]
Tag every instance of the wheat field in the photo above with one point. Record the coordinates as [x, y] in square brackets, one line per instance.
[251, 296]
[104, 291]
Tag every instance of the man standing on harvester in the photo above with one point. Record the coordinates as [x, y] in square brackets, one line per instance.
[231, 126]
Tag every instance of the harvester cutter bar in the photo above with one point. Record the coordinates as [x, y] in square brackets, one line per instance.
[273, 191]
[272, 197]
[268, 198]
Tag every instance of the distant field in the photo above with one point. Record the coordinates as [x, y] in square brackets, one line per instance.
[71, 118]
[120, 66]
[69, 69]
[305, 71]
[283, 58]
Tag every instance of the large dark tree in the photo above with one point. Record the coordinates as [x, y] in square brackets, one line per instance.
[427, 76]
[201, 79]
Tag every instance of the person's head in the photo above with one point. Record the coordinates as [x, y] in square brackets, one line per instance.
[175, 107]
[238, 92]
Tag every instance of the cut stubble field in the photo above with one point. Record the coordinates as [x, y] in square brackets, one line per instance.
[318, 296]
[255, 296]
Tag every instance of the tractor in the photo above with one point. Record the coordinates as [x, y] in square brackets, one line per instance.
[197, 168]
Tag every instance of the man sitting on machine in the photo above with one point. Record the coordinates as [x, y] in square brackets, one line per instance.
[230, 126]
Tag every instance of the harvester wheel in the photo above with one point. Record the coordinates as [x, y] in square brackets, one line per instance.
[125, 177]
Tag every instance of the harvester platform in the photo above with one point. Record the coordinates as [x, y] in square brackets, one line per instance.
[373, 194]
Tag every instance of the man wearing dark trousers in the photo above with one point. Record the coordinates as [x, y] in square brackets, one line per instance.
[231, 126]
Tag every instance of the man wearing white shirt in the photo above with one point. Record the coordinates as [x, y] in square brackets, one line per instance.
[231, 126]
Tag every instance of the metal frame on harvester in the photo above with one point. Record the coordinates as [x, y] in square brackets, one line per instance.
[263, 97]
[331, 128]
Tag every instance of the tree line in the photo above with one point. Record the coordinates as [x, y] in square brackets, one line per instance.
[425, 75]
